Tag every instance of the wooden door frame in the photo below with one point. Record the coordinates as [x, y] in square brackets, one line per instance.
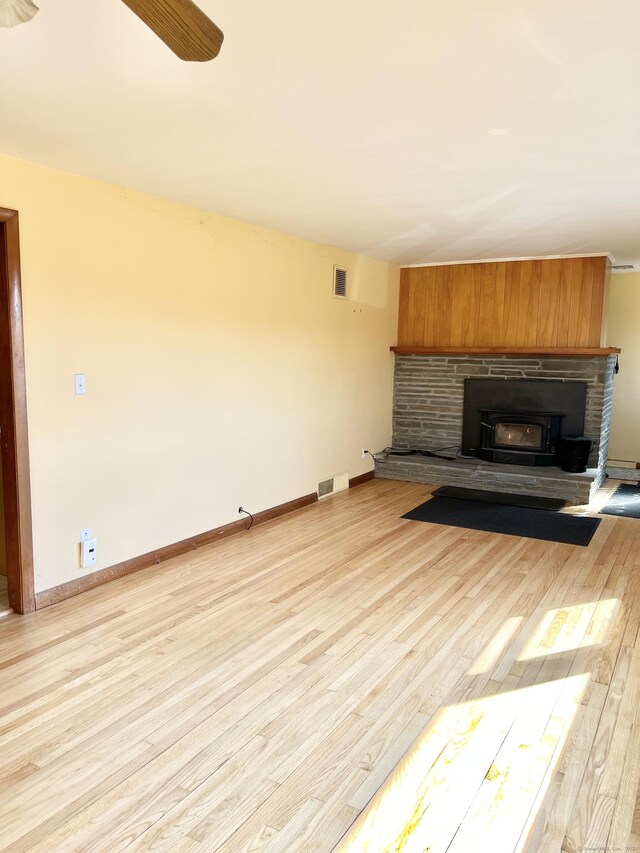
[14, 440]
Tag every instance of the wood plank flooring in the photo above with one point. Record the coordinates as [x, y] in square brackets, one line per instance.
[338, 679]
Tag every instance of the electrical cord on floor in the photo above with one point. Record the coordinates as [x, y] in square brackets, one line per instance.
[438, 455]
[377, 456]
[246, 512]
[394, 451]
[391, 451]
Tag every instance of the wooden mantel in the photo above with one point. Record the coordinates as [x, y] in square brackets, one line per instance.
[576, 352]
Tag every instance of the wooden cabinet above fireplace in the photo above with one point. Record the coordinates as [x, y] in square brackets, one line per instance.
[528, 307]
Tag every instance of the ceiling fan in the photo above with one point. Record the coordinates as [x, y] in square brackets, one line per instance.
[180, 24]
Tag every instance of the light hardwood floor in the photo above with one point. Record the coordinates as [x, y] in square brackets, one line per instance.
[256, 694]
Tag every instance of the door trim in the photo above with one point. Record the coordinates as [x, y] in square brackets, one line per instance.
[14, 441]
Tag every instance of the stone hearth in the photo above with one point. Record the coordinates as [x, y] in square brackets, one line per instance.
[427, 415]
[476, 474]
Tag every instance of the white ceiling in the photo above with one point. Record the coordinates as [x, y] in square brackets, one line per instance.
[421, 131]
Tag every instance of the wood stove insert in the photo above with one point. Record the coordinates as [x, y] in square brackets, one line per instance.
[520, 421]
[520, 438]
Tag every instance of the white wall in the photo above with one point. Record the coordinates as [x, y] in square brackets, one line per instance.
[220, 370]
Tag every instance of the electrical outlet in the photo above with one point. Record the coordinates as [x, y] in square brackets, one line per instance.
[88, 555]
[364, 452]
[85, 534]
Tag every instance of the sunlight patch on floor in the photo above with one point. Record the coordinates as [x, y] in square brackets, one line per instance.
[483, 766]
[564, 629]
[477, 768]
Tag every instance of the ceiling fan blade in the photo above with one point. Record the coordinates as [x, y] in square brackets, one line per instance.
[182, 26]
[13, 12]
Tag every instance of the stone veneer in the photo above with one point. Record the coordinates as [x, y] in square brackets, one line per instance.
[427, 415]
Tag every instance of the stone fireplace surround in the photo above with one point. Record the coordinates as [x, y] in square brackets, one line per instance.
[427, 415]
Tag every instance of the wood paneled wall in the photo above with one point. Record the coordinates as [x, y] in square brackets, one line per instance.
[544, 303]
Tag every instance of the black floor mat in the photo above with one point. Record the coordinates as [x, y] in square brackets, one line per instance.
[512, 520]
[503, 498]
[625, 501]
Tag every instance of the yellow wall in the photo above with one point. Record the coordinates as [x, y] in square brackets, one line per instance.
[623, 330]
[220, 370]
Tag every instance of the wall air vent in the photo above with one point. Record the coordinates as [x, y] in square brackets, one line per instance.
[340, 282]
[621, 267]
[337, 483]
[325, 488]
